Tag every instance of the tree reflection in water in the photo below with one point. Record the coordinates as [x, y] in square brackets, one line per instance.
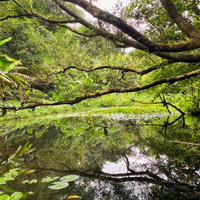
[137, 160]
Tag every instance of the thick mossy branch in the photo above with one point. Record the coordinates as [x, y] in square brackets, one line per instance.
[151, 46]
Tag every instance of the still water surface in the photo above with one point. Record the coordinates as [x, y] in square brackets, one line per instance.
[112, 158]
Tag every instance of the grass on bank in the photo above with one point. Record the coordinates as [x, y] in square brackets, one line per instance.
[115, 103]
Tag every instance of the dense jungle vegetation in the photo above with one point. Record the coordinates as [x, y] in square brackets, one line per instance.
[107, 81]
[53, 53]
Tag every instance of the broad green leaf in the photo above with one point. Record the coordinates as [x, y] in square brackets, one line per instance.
[24, 149]
[27, 194]
[4, 197]
[4, 78]
[58, 185]
[33, 181]
[16, 196]
[20, 78]
[4, 179]
[4, 63]
[27, 92]
[49, 179]
[4, 41]
[11, 59]
[10, 67]
[29, 172]
[25, 181]
[69, 178]
[12, 172]
[1, 192]
[30, 182]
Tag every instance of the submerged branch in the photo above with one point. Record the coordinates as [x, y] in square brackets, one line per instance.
[123, 177]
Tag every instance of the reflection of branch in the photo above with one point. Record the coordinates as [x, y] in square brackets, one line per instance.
[126, 177]
[150, 174]
[59, 162]
[93, 157]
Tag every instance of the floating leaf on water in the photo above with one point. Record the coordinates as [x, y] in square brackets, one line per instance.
[16, 196]
[31, 171]
[33, 181]
[12, 172]
[74, 197]
[30, 130]
[58, 185]
[30, 182]
[49, 179]
[27, 194]
[4, 197]
[69, 178]
[4, 179]
[25, 181]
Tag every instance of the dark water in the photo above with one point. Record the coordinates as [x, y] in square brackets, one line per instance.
[115, 159]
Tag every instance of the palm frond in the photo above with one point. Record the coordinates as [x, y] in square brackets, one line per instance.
[25, 77]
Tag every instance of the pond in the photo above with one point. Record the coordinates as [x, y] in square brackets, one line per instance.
[100, 158]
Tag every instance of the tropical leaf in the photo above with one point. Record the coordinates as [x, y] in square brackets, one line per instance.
[16, 196]
[23, 76]
[4, 77]
[4, 197]
[11, 59]
[19, 80]
[10, 67]
[4, 63]
[4, 41]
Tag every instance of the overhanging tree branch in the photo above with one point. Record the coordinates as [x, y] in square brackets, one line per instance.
[133, 33]
[122, 90]
[120, 68]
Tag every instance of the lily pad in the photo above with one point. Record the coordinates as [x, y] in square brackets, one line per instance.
[4, 197]
[16, 196]
[4, 179]
[30, 182]
[12, 172]
[49, 179]
[69, 178]
[59, 185]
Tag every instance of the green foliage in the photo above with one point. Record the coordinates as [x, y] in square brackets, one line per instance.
[152, 13]
[8, 176]
[63, 183]
[7, 64]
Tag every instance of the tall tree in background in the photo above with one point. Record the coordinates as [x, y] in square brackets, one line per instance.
[167, 32]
